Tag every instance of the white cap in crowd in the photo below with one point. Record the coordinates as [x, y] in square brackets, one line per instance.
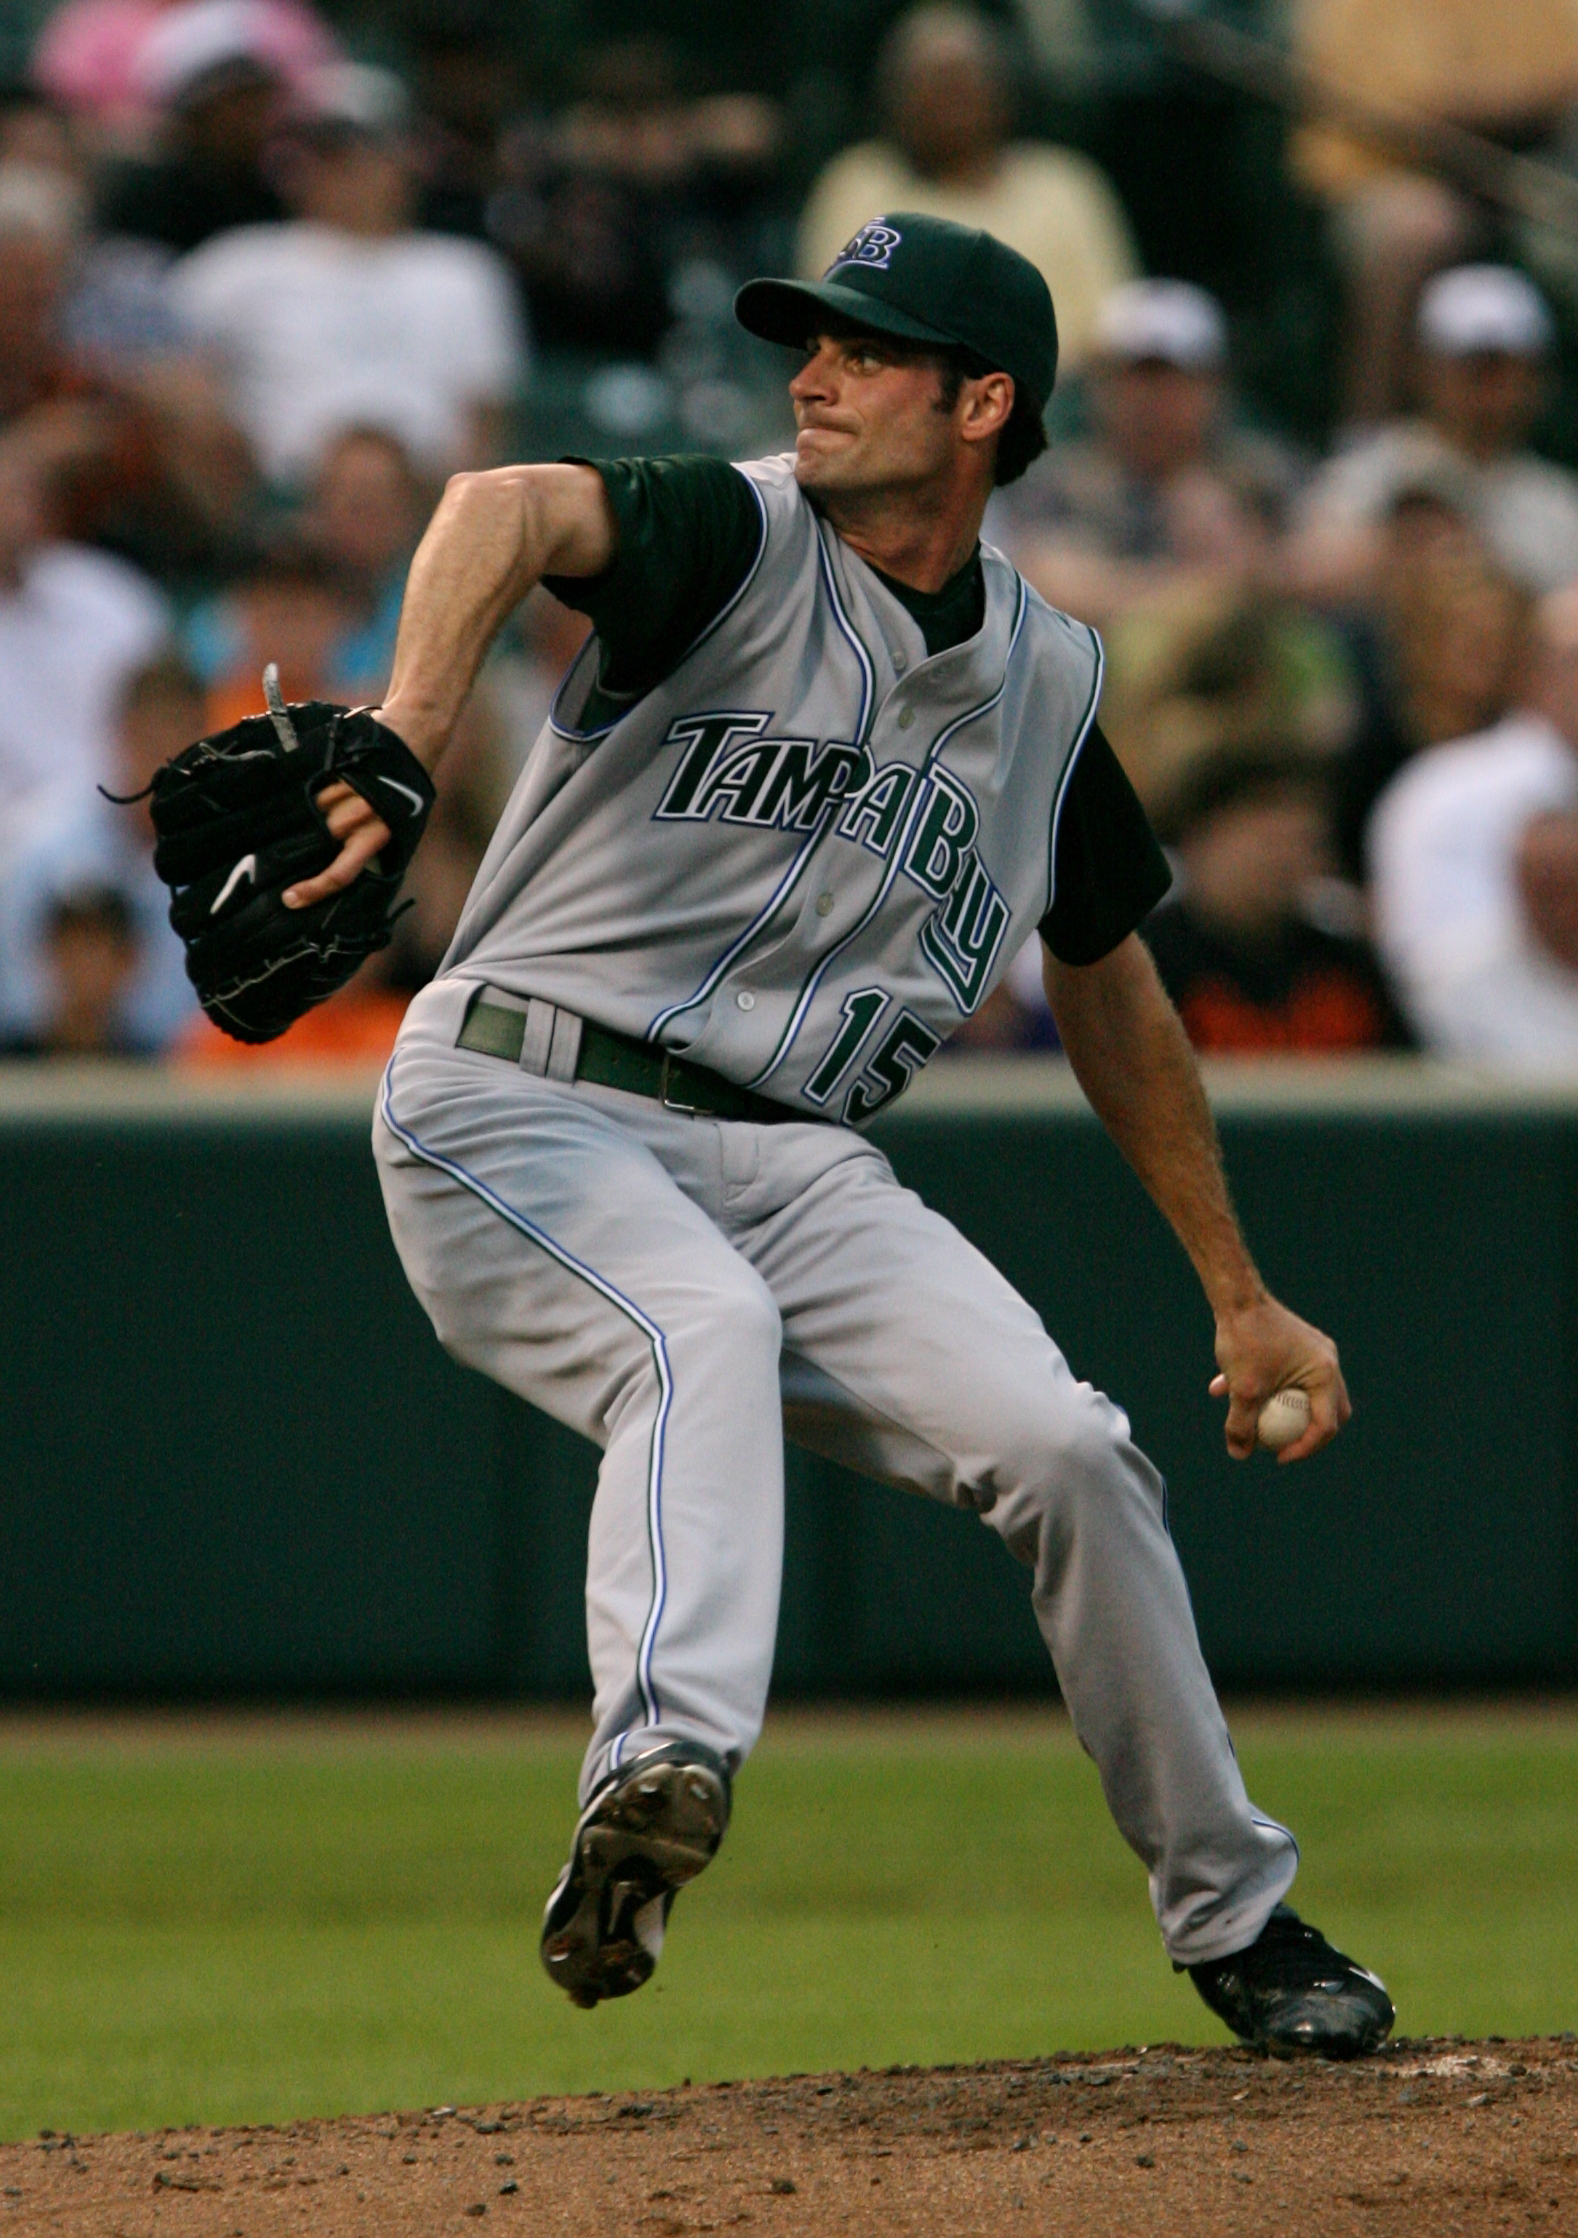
[204, 46]
[356, 97]
[1166, 319]
[1479, 309]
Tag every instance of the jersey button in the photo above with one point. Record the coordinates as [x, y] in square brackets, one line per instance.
[745, 999]
[906, 718]
[824, 905]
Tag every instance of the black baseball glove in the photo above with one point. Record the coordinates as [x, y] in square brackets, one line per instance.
[237, 822]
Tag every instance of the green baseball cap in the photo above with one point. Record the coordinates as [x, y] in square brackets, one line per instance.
[922, 279]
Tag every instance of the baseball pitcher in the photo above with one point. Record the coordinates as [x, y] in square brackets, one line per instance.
[825, 763]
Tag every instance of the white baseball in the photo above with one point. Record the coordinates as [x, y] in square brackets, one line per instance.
[1284, 1417]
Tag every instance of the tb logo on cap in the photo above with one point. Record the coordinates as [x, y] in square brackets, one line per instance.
[872, 246]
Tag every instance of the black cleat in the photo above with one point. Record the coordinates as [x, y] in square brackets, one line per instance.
[1291, 1993]
[645, 1833]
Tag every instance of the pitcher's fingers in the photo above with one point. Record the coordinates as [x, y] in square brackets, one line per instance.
[1219, 1387]
[1326, 1419]
[347, 865]
[1329, 1408]
[1243, 1423]
[343, 810]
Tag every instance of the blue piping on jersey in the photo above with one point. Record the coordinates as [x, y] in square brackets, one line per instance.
[818, 830]
[1080, 737]
[808, 992]
[648, 1328]
[582, 737]
[868, 675]
[562, 730]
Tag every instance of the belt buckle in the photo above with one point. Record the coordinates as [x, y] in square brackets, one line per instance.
[672, 1103]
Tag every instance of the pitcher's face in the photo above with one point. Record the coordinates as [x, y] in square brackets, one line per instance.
[870, 416]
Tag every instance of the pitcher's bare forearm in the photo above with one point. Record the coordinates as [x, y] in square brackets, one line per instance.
[493, 537]
[1134, 1062]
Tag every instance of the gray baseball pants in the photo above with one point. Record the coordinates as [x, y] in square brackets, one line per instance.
[683, 1291]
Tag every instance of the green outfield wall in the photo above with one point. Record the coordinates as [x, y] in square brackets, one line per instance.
[235, 1459]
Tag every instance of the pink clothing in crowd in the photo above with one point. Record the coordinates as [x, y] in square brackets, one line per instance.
[87, 53]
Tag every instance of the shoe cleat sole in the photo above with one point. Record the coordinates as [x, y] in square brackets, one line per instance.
[638, 1844]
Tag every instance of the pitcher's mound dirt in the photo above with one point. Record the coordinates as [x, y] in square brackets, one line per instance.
[1434, 2137]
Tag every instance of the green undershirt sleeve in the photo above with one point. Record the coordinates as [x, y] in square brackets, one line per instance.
[1109, 870]
[689, 533]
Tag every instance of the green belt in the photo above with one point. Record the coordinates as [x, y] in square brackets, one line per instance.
[610, 1060]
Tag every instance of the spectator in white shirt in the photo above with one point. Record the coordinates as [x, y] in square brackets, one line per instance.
[79, 841]
[1484, 336]
[1474, 860]
[73, 623]
[349, 314]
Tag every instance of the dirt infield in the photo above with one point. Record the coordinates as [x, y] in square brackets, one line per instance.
[1433, 2138]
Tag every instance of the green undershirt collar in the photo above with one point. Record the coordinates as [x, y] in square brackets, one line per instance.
[946, 617]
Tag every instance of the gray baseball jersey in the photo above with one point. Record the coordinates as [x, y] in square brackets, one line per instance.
[812, 849]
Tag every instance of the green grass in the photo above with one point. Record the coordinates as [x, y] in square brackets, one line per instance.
[231, 1922]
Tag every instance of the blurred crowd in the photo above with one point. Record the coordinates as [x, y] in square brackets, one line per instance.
[259, 296]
